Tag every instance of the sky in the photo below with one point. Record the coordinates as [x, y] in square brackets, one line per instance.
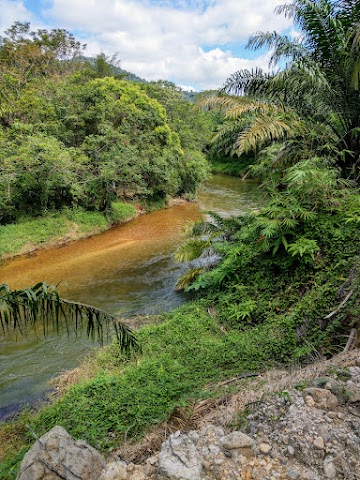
[197, 44]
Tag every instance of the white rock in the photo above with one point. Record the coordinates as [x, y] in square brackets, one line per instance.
[291, 450]
[237, 440]
[323, 398]
[353, 392]
[114, 471]
[329, 468]
[57, 456]
[264, 447]
[355, 372]
[319, 443]
[293, 474]
[179, 459]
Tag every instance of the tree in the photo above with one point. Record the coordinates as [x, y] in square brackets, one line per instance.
[315, 99]
[41, 304]
[26, 54]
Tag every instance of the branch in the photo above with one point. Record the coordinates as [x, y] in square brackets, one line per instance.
[351, 340]
[340, 306]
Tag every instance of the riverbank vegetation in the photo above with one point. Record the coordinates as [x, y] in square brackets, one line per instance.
[75, 135]
[302, 125]
[59, 227]
[277, 285]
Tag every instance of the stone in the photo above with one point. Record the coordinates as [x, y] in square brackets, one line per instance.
[179, 459]
[353, 392]
[310, 402]
[322, 398]
[237, 440]
[114, 471]
[324, 432]
[264, 448]
[329, 468]
[139, 473]
[291, 450]
[152, 460]
[355, 372]
[56, 456]
[247, 453]
[319, 443]
[293, 474]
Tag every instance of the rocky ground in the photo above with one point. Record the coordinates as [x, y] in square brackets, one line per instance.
[303, 424]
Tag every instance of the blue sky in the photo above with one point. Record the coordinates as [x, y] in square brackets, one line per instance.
[195, 43]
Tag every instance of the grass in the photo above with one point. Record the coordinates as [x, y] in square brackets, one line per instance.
[231, 166]
[181, 356]
[58, 227]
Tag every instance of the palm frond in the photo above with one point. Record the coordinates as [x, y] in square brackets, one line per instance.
[200, 228]
[41, 305]
[264, 129]
[282, 46]
[224, 140]
[243, 106]
[247, 82]
[191, 250]
[189, 277]
[220, 102]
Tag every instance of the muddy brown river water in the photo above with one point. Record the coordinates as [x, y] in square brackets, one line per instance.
[128, 270]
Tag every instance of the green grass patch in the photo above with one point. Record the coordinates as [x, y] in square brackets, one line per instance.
[121, 212]
[29, 234]
[233, 166]
[180, 357]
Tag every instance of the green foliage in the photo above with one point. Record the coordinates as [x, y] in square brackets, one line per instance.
[40, 306]
[304, 247]
[73, 133]
[50, 228]
[180, 356]
[310, 106]
[10, 468]
[121, 212]
[287, 260]
[58, 227]
[191, 250]
[26, 54]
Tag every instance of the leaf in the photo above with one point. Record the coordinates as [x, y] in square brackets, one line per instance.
[191, 250]
[41, 304]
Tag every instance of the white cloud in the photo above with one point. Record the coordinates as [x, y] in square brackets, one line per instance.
[11, 11]
[182, 40]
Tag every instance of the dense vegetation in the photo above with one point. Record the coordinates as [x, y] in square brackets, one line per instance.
[302, 124]
[73, 134]
[277, 285]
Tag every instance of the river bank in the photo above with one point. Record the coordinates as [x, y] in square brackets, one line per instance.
[294, 424]
[60, 228]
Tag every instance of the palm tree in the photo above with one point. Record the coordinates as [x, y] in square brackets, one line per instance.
[314, 99]
[202, 247]
[42, 305]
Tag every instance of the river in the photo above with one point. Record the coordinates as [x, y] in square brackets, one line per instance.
[128, 270]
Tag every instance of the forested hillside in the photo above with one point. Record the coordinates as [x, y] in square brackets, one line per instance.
[74, 134]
